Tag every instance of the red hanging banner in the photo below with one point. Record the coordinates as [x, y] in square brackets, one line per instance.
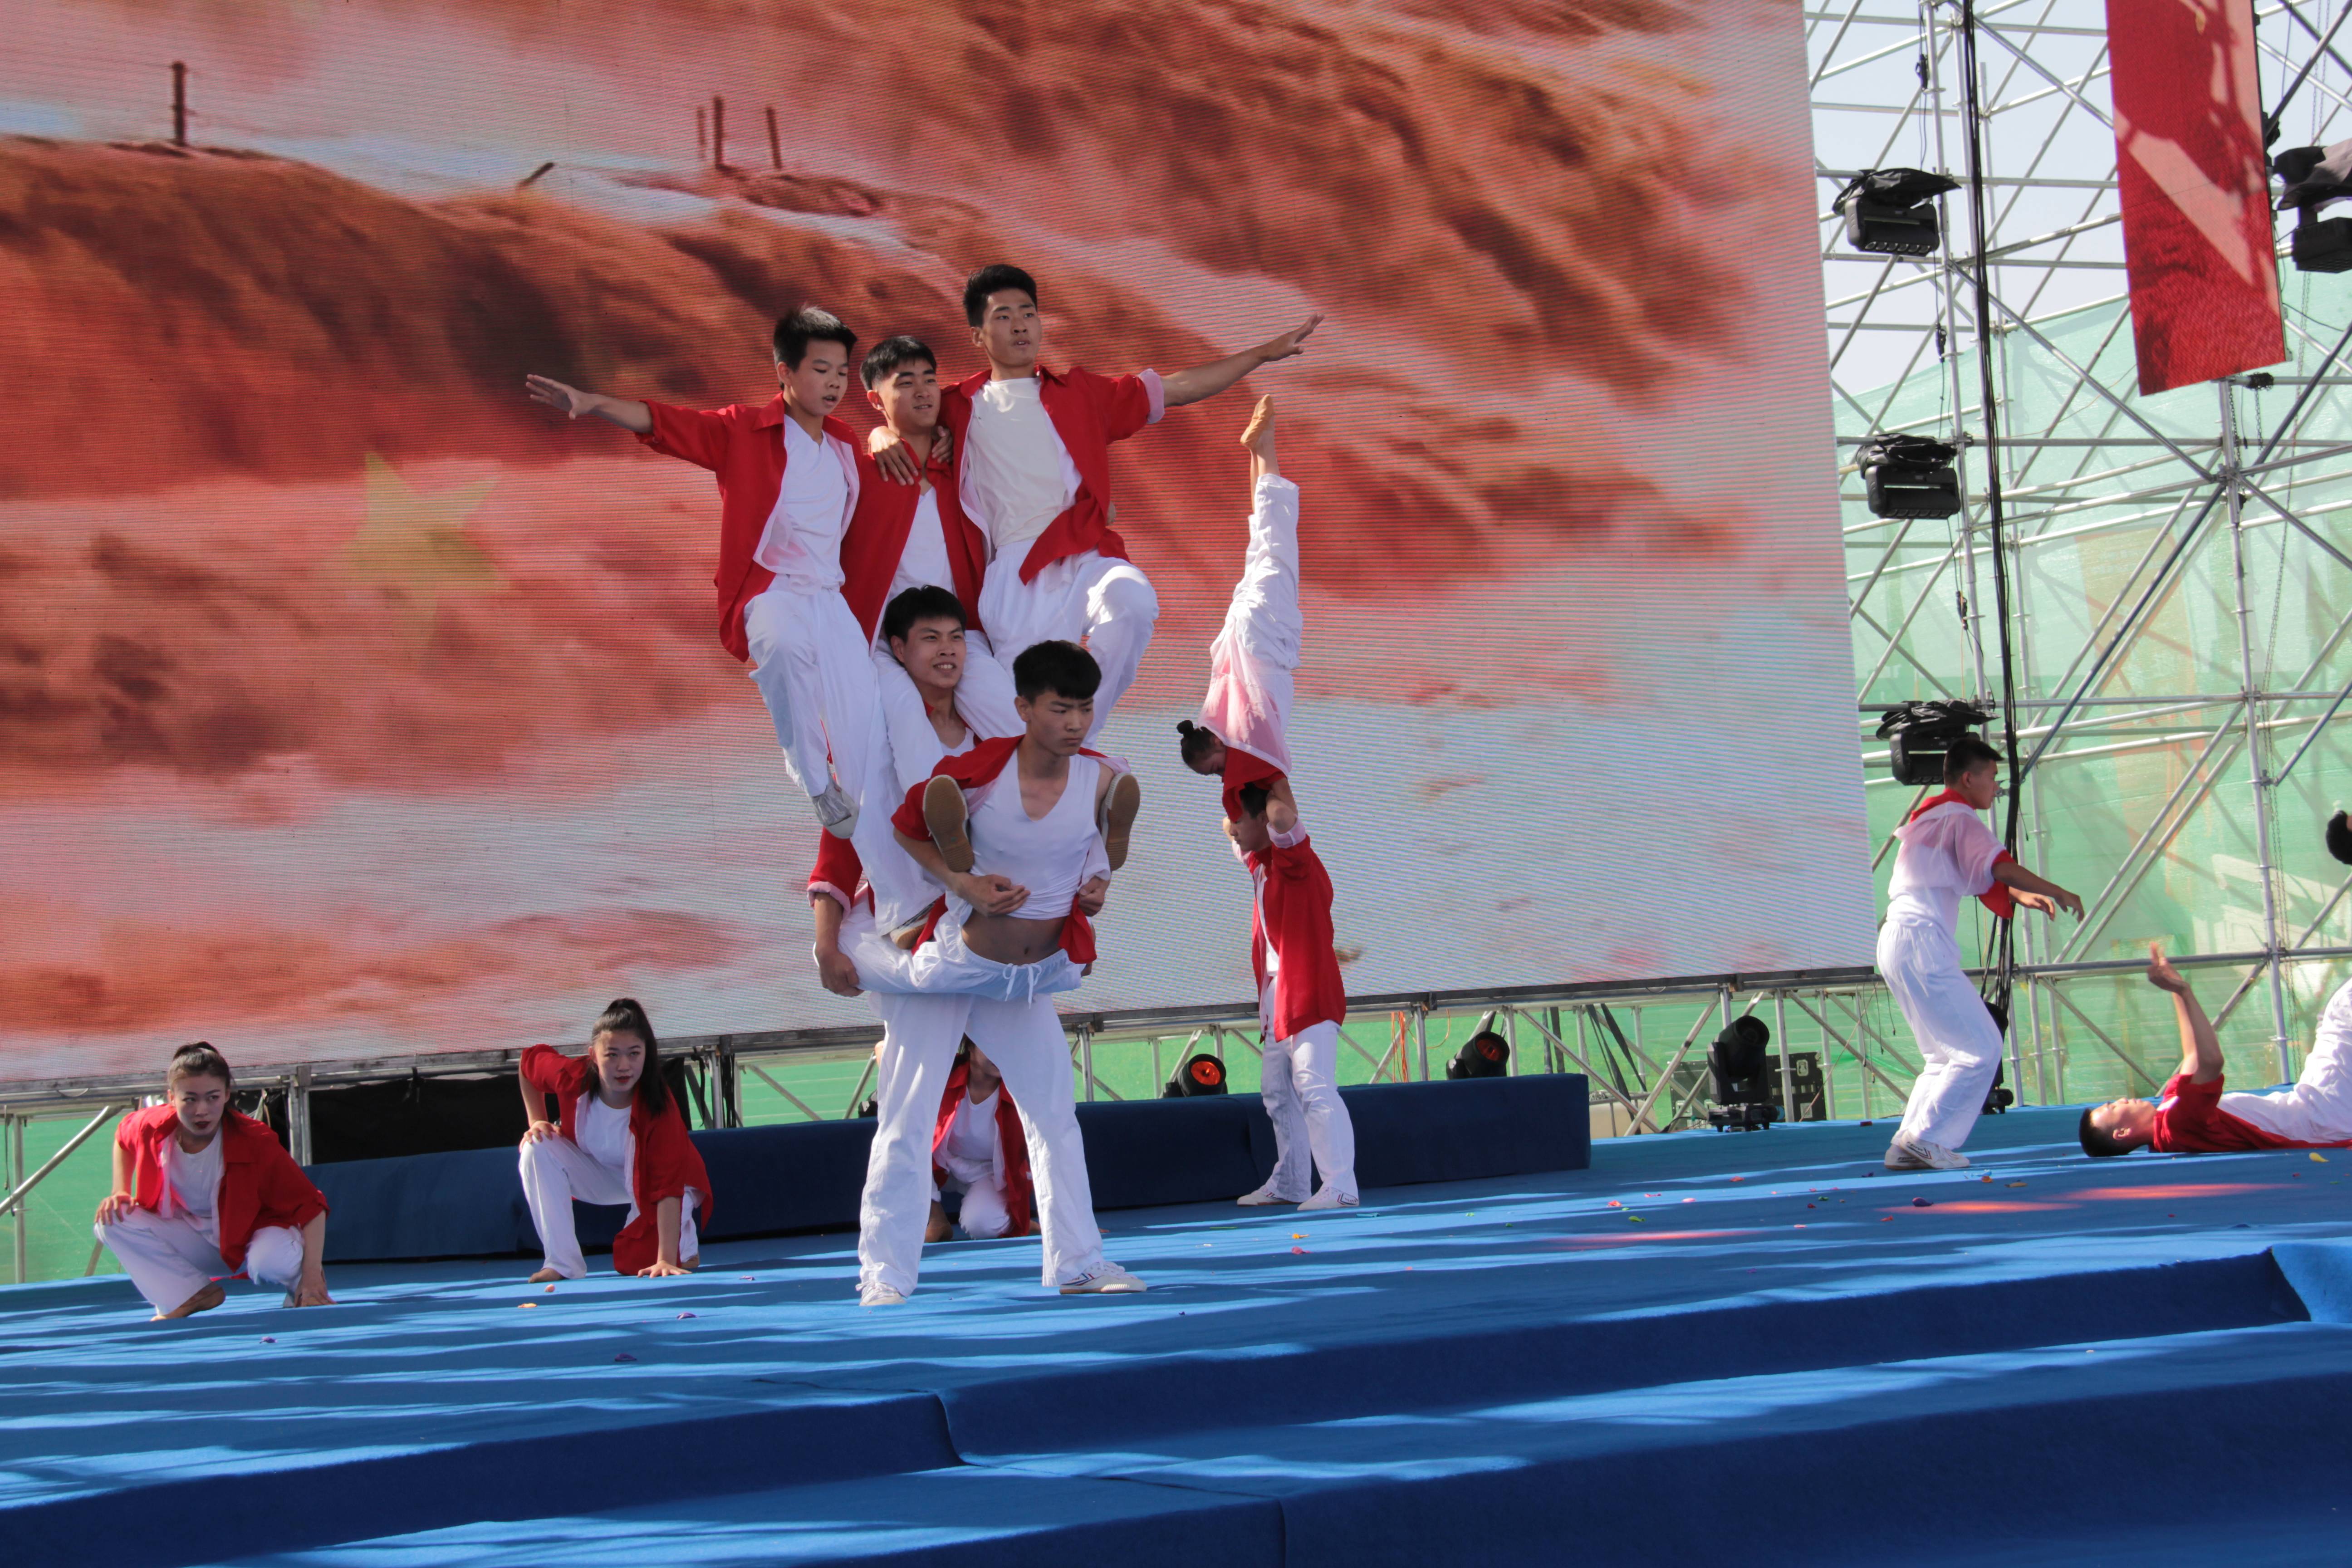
[2198, 239]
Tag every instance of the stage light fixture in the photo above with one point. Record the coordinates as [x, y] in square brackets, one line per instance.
[1999, 1097]
[1200, 1074]
[1741, 1067]
[1909, 475]
[1890, 212]
[1483, 1055]
[1919, 734]
[2339, 836]
[2313, 178]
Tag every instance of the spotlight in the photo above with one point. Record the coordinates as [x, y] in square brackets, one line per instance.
[1909, 475]
[2340, 837]
[1200, 1074]
[1918, 734]
[1483, 1055]
[1742, 1072]
[1887, 210]
[2314, 176]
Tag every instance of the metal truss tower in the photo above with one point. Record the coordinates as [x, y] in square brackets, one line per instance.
[2181, 566]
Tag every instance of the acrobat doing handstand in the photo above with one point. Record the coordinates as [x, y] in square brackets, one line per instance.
[1244, 738]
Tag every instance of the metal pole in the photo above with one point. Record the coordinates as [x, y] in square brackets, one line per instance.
[1086, 1057]
[1420, 1038]
[1780, 1033]
[1829, 1073]
[17, 1125]
[1948, 337]
[22, 1186]
[2251, 696]
[298, 1116]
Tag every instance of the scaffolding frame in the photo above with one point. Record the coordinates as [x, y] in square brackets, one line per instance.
[2105, 466]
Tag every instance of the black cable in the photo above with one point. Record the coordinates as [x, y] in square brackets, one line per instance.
[2002, 960]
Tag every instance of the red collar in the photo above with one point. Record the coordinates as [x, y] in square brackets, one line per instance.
[1949, 797]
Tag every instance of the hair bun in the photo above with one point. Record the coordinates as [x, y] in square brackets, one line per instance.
[1184, 726]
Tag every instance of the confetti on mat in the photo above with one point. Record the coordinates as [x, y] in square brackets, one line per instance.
[269, 1339]
[1921, 1204]
[1302, 1252]
[526, 1306]
[1633, 1218]
[2017, 1184]
[550, 1290]
[624, 1356]
[682, 1316]
[2318, 1157]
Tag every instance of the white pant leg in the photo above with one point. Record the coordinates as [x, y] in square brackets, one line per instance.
[1121, 610]
[985, 696]
[1958, 1045]
[556, 1172]
[1315, 1075]
[2318, 1109]
[168, 1260]
[919, 1036]
[274, 1257]
[983, 1215]
[1292, 1176]
[1025, 1039]
[813, 669]
[690, 1241]
[915, 746]
[901, 892]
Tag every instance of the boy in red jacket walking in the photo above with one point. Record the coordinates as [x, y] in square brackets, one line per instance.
[203, 1191]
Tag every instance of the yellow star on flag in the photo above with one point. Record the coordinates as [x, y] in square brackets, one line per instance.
[414, 547]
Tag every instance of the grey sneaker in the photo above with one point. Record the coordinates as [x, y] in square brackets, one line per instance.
[1105, 1279]
[835, 811]
[879, 1295]
[1918, 1155]
[1263, 1197]
[1330, 1198]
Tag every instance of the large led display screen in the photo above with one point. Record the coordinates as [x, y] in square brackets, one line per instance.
[352, 705]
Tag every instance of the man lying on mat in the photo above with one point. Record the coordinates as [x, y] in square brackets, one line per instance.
[2192, 1116]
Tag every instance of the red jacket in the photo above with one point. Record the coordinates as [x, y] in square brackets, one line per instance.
[745, 446]
[876, 542]
[1293, 909]
[1089, 412]
[1246, 768]
[1013, 1143]
[973, 770]
[666, 1164]
[260, 1184]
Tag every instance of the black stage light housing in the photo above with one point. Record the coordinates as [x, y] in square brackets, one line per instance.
[1997, 1099]
[1200, 1074]
[2339, 836]
[1909, 475]
[1918, 734]
[1891, 211]
[1741, 1067]
[2313, 178]
[1483, 1055]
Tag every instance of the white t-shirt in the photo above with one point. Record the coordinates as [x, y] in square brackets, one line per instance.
[196, 1178]
[1019, 476]
[970, 1151]
[924, 563]
[801, 544]
[602, 1132]
[1947, 854]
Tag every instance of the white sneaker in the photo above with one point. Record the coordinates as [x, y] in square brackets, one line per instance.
[1261, 1198]
[1105, 1279]
[835, 811]
[1328, 1198]
[879, 1296]
[1907, 1153]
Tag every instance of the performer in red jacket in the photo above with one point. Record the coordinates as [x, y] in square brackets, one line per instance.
[1033, 467]
[980, 1149]
[618, 1137]
[202, 1191]
[1244, 737]
[788, 482]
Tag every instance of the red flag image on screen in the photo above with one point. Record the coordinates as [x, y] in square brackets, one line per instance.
[2195, 197]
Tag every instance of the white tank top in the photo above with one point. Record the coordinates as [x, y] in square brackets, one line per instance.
[1051, 855]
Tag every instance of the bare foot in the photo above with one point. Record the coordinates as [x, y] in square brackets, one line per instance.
[1259, 439]
[204, 1301]
[939, 1229]
[544, 1276]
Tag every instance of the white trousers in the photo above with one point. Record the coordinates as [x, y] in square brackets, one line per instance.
[557, 1172]
[815, 670]
[171, 1260]
[1025, 1039]
[1253, 662]
[983, 698]
[983, 1215]
[946, 966]
[1958, 1041]
[2318, 1109]
[1105, 603]
[1299, 1082]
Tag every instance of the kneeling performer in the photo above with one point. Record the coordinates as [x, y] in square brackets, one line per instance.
[979, 1149]
[619, 1137]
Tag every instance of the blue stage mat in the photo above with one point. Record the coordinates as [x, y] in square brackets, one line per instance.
[1704, 1341]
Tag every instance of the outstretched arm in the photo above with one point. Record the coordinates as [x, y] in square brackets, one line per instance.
[2201, 1048]
[310, 1284]
[665, 1233]
[833, 970]
[2035, 892]
[1208, 380]
[629, 413]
